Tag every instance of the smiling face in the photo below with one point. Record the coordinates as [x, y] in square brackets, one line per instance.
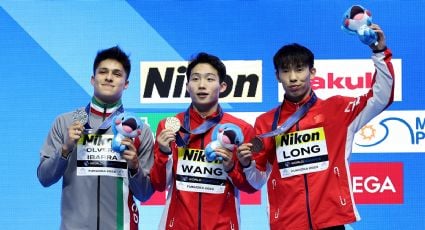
[296, 81]
[204, 88]
[109, 81]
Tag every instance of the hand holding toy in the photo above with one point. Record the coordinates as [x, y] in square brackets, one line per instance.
[225, 135]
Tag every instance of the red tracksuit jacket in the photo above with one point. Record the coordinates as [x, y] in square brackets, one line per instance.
[307, 169]
[199, 210]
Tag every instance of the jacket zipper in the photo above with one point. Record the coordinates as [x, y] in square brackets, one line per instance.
[171, 224]
[98, 180]
[307, 196]
[276, 213]
[342, 200]
[199, 210]
[307, 200]
[98, 202]
[200, 194]
[232, 226]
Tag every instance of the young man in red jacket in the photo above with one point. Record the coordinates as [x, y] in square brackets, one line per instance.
[305, 162]
[201, 194]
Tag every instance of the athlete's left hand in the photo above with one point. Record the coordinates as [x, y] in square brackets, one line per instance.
[130, 154]
[227, 156]
[245, 154]
[381, 38]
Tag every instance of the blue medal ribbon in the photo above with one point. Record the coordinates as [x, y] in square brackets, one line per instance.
[204, 127]
[292, 119]
[257, 142]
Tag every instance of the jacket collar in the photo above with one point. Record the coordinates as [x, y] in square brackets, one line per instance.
[101, 109]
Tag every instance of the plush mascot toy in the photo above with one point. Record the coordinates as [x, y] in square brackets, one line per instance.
[124, 125]
[225, 135]
[356, 20]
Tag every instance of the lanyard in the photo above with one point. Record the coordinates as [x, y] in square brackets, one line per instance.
[106, 123]
[204, 127]
[292, 119]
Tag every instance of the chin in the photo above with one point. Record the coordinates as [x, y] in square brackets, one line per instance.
[109, 99]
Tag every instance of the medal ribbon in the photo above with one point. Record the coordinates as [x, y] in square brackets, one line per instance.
[204, 127]
[107, 123]
[292, 119]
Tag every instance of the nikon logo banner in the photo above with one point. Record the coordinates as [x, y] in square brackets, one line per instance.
[165, 82]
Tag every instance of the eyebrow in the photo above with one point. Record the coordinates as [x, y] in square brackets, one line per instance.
[113, 70]
[206, 74]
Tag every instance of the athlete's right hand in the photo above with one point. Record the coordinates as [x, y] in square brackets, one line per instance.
[165, 137]
[75, 130]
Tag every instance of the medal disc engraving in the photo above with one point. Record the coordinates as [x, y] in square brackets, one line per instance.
[81, 116]
[172, 123]
[257, 145]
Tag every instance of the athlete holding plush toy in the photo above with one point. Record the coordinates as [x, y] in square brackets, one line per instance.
[124, 125]
[98, 184]
[304, 144]
[225, 135]
[201, 194]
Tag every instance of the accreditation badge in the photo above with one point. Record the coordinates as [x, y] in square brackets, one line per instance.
[196, 174]
[95, 157]
[302, 152]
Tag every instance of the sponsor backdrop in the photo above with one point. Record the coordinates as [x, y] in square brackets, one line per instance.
[47, 50]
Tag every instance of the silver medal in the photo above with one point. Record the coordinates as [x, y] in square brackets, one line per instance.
[81, 116]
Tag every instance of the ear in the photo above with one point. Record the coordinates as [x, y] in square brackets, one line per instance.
[312, 73]
[92, 80]
[276, 73]
[223, 86]
[126, 84]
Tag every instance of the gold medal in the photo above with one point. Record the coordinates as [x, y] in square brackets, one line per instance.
[172, 123]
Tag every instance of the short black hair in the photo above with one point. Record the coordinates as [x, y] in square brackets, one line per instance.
[115, 53]
[293, 55]
[214, 61]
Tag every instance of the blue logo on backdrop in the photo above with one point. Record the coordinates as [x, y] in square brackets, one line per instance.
[415, 135]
